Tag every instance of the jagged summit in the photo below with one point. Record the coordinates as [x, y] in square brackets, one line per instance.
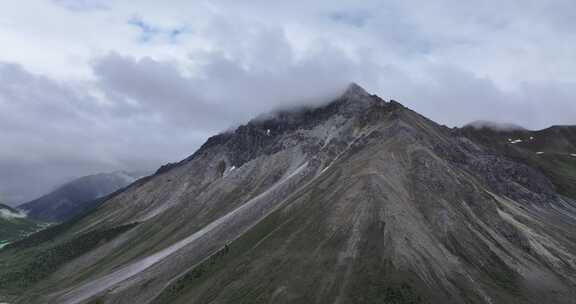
[355, 91]
[355, 100]
[353, 97]
[260, 135]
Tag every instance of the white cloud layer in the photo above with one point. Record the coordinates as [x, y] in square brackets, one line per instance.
[97, 85]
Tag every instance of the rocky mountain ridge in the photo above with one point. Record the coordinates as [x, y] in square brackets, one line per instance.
[357, 201]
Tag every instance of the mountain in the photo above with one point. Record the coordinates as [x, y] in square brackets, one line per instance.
[552, 151]
[357, 201]
[75, 197]
[14, 225]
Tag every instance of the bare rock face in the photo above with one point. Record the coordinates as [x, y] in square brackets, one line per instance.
[358, 201]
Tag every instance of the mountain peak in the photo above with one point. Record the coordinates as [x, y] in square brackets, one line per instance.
[354, 91]
[259, 135]
[356, 100]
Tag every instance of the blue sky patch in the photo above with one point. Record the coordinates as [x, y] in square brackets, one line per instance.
[150, 32]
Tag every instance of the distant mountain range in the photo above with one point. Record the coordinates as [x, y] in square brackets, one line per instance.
[64, 203]
[359, 201]
[77, 196]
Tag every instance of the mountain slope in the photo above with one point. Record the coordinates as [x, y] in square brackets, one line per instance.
[358, 201]
[76, 196]
[552, 150]
[14, 225]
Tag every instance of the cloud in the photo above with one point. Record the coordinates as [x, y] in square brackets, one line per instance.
[152, 33]
[52, 132]
[260, 73]
[120, 118]
[82, 5]
[356, 19]
[108, 85]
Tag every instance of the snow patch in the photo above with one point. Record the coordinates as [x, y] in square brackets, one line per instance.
[268, 132]
[573, 154]
[539, 152]
[514, 141]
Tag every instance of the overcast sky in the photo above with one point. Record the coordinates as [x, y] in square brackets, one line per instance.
[91, 86]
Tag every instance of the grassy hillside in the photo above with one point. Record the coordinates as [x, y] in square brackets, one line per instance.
[14, 226]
